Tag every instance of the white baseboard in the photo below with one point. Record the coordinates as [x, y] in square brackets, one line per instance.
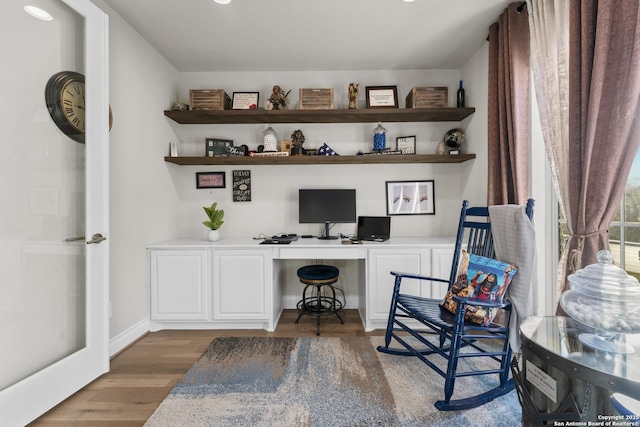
[128, 337]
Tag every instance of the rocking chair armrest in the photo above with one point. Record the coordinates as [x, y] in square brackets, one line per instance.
[418, 276]
[475, 301]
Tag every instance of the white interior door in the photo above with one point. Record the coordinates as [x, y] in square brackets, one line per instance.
[53, 288]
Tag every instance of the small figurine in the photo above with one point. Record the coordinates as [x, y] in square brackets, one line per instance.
[354, 89]
[297, 139]
[277, 99]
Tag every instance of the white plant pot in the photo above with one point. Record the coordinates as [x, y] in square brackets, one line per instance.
[214, 235]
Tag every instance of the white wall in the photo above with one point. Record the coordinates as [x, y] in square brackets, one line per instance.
[475, 75]
[143, 203]
[152, 200]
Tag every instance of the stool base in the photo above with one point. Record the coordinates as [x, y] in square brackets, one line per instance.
[319, 305]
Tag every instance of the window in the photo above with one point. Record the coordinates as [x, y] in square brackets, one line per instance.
[624, 231]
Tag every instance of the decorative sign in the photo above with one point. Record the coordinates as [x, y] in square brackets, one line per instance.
[245, 100]
[210, 180]
[241, 185]
[406, 144]
[543, 382]
[382, 96]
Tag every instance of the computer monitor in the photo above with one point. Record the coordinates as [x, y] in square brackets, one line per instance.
[326, 206]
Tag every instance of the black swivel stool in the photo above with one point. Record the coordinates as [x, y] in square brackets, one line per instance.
[315, 277]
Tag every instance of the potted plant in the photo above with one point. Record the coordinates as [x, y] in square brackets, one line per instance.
[297, 139]
[215, 220]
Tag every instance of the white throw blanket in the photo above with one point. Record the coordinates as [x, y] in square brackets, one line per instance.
[514, 242]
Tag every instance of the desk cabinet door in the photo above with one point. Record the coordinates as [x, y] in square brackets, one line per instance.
[179, 281]
[241, 284]
[441, 260]
[380, 263]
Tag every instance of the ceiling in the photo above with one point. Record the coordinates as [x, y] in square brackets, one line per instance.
[308, 35]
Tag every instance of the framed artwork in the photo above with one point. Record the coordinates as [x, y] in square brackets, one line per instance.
[406, 144]
[210, 180]
[217, 147]
[382, 96]
[410, 198]
[245, 100]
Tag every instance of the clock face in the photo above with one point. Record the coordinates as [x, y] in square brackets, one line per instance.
[72, 99]
[64, 95]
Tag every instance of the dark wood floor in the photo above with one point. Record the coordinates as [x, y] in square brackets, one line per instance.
[143, 375]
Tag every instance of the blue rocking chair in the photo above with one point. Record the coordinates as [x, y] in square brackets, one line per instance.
[452, 329]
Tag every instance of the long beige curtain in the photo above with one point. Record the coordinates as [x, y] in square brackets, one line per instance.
[508, 108]
[590, 49]
[549, 24]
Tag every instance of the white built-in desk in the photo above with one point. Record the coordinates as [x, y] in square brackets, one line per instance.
[236, 283]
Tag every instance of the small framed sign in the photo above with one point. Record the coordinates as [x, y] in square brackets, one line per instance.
[406, 144]
[210, 180]
[218, 147]
[245, 100]
[382, 96]
[241, 185]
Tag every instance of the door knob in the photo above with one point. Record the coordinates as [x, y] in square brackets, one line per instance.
[96, 238]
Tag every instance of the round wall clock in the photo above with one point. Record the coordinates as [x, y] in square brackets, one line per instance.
[64, 95]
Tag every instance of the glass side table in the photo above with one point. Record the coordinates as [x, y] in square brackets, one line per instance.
[565, 380]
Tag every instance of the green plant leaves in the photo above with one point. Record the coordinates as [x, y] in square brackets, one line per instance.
[215, 216]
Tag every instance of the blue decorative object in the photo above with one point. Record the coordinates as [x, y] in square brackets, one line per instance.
[325, 150]
[379, 138]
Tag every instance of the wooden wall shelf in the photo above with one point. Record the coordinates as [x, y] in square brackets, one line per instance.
[320, 116]
[319, 160]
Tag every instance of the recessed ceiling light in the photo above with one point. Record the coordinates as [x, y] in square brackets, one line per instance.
[408, 1]
[36, 12]
[222, 1]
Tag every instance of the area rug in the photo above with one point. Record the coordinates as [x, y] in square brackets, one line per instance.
[320, 382]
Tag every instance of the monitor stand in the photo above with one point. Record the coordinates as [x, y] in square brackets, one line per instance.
[325, 235]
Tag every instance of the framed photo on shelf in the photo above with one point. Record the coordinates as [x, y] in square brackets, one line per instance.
[410, 198]
[245, 100]
[382, 96]
[210, 180]
[406, 144]
[217, 147]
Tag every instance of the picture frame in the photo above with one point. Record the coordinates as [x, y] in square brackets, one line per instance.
[410, 197]
[211, 180]
[382, 96]
[245, 100]
[217, 147]
[406, 144]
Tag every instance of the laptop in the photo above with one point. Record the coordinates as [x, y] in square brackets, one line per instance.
[374, 228]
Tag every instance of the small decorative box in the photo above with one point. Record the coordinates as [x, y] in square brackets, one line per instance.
[316, 99]
[209, 99]
[428, 97]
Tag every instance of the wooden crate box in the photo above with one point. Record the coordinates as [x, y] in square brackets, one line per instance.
[428, 97]
[209, 99]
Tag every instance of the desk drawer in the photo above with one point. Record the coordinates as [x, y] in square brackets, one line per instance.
[321, 253]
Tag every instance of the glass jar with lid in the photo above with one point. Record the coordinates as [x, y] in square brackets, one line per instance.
[605, 298]
[270, 139]
[379, 138]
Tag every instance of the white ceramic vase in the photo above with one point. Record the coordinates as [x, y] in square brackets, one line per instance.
[213, 236]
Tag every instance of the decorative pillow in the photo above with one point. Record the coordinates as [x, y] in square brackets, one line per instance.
[483, 278]
[325, 150]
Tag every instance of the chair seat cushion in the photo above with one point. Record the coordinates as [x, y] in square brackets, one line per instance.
[318, 272]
